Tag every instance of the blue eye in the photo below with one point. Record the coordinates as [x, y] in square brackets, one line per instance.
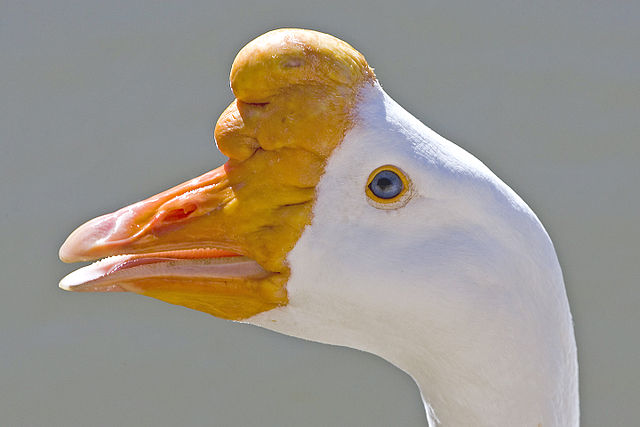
[386, 185]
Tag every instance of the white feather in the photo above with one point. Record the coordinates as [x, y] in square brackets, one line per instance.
[461, 287]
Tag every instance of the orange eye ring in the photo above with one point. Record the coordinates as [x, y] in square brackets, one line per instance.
[388, 187]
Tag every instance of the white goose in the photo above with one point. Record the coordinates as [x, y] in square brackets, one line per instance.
[340, 218]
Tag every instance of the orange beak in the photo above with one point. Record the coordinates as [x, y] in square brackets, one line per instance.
[139, 227]
[184, 246]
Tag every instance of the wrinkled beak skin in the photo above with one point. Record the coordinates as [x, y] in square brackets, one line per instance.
[218, 243]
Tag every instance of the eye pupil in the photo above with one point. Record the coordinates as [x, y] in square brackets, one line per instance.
[386, 184]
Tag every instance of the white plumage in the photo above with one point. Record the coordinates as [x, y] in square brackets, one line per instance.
[461, 288]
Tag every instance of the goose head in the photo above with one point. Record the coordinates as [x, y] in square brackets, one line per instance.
[340, 218]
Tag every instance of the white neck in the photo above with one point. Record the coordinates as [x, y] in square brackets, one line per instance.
[523, 376]
[514, 365]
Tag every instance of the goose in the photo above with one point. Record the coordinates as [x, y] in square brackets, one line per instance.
[341, 218]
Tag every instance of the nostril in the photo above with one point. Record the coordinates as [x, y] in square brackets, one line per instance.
[179, 213]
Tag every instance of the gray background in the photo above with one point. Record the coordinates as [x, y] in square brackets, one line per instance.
[105, 103]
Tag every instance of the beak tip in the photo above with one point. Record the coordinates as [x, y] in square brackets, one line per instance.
[79, 281]
[63, 255]
[80, 245]
[88, 241]
[66, 284]
[68, 252]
